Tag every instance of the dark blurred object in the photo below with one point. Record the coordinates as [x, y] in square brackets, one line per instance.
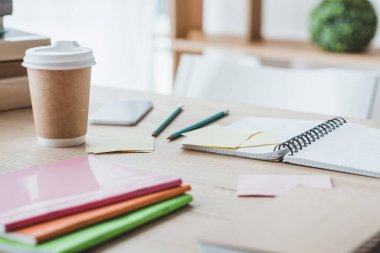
[6, 8]
[343, 25]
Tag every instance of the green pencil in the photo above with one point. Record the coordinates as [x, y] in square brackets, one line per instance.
[167, 121]
[198, 125]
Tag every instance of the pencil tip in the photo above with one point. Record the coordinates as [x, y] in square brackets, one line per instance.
[227, 112]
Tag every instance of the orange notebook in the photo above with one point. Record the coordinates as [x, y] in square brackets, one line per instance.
[47, 230]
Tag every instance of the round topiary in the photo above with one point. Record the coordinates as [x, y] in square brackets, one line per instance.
[343, 25]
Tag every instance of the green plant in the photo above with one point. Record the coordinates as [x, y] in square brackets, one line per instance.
[343, 25]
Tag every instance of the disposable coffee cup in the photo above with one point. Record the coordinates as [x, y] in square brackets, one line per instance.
[59, 78]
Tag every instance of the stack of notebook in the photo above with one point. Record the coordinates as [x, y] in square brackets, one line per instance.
[76, 204]
[14, 88]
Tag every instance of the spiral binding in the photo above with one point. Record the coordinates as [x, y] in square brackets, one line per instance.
[303, 140]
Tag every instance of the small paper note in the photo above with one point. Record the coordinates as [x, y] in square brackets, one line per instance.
[260, 139]
[140, 143]
[273, 185]
[217, 136]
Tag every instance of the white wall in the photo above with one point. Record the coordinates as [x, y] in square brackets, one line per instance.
[119, 31]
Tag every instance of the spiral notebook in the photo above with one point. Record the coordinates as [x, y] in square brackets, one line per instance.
[334, 144]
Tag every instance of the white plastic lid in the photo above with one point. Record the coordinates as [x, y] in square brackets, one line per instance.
[62, 55]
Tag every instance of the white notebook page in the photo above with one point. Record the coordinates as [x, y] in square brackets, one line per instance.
[350, 148]
[282, 128]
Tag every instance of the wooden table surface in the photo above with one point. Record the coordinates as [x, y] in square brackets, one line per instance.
[213, 177]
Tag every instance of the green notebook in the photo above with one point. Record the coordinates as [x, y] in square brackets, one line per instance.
[91, 236]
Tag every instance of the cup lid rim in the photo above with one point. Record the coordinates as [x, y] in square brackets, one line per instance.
[61, 55]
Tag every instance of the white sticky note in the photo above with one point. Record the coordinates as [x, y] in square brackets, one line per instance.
[273, 185]
[132, 144]
[260, 139]
[217, 136]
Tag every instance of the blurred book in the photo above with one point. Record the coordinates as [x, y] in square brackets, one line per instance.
[14, 93]
[14, 43]
[11, 69]
[14, 88]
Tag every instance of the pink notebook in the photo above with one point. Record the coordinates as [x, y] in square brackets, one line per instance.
[49, 191]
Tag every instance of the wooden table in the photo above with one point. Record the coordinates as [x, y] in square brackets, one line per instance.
[213, 177]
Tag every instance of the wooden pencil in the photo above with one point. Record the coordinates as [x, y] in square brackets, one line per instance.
[197, 125]
[167, 121]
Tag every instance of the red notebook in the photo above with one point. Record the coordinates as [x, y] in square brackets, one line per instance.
[46, 192]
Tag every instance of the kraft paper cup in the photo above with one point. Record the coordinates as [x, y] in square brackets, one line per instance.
[59, 79]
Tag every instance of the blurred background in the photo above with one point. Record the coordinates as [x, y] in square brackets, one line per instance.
[138, 45]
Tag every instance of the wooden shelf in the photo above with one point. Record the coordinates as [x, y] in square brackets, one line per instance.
[188, 37]
[279, 50]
